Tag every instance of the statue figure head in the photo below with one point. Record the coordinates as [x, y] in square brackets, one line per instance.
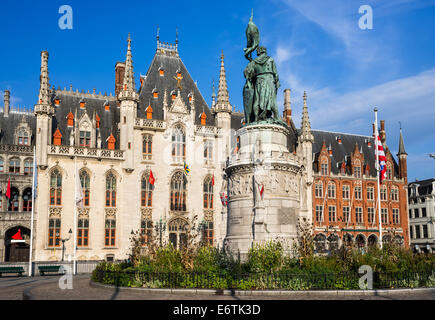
[260, 50]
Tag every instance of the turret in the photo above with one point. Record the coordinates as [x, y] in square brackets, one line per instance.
[129, 99]
[287, 114]
[43, 112]
[7, 99]
[402, 155]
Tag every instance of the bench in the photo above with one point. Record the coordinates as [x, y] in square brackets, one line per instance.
[46, 269]
[18, 270]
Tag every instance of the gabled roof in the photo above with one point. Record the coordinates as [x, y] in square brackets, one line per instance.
[9, 124]
[424, 186]
[171, 64]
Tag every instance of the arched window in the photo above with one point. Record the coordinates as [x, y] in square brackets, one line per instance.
[333, 242]
[27, 200]
[360, 241]
[320, 243]
[372, 240]
[147, 146]
[55, 188]
[178, 233]
[2, 165]
[14, 165]
[178, 144]
[178, 192]
[13, 201]
[110, 190]
[146, 195]
[208, 193]
[346, 191]
[86, 187]
[389, 171]
[23, 138]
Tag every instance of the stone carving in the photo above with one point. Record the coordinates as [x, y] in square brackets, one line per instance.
[208, 215]
[83, 212]
[146, 213]
[110, 212]
[54, 211]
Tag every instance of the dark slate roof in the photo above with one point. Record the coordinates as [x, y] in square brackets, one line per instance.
[10, 123]
[70, 102]
[170, 64]
[236, 120]
[424, 187]
[341, 152]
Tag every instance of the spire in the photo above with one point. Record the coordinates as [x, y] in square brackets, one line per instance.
[306, 126]
[401, 145]
[223, 99]
[213, 96]
[128, 88]
[44, 88]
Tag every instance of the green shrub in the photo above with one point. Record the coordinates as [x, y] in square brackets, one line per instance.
[266, 257]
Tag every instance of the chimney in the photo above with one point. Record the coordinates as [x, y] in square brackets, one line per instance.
[7, 103]
[382, 133]
[119, 77]
[287, 107]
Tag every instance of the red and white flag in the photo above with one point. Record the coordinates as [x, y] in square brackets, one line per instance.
[224, 199]
[382, 161]
[261, 189]
[151, 179]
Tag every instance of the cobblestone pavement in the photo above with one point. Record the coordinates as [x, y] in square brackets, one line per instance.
[47, 288]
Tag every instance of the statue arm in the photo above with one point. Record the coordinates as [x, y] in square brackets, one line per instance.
[275, 74]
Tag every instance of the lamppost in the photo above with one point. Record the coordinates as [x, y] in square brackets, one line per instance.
[63, 242]
[160, 228]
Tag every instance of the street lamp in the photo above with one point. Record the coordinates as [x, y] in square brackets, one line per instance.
[63, 242]
[160, 228]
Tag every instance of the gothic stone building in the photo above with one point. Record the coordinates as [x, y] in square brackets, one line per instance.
[110, 145]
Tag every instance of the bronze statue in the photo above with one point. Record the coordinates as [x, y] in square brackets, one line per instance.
[262, 82]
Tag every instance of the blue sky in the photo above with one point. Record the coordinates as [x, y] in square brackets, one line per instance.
[317, 45]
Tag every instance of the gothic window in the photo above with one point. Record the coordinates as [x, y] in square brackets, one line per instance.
[358, 193]
[346, 192]
[319, 190]
[320, 243]
[147, 146]
[55, 188]
[395, 194]
[384, 215]
[332, 214]
[359, 215]
[178, 233]
[178, 144]
[346, 214]
[110, 190]
[146, 231]
[28, 167]
[396, 219]
[2, 166]
[83, 232]
[54, 232]
[389, 171]
[85, 139]
[324, 167]
[146, 196]
[208, 193]
[208, 151]
[319, 213]
[14, 165]
[110, 233]
[86, 187]
[208, 233]
[178, 192]
[384, 193]
[370, 193]
[13, 201]
[371, 215]
[357, 169]
[23, 137]
[27, 200]
[331, 191]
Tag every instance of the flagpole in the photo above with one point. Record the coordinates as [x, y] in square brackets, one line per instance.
[75, 216]
[377, 175]
[33, 206]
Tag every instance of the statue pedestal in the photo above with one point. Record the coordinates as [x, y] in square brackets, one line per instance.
[262, 160]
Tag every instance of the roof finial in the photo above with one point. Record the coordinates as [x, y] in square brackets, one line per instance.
[223, 99]
[176, 36]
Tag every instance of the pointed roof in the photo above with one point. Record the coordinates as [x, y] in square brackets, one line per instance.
[223, 98]
[306, 126]
[401, 145]
[44, 86]
[128, 84]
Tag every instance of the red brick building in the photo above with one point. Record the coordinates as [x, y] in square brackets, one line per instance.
[345, 191]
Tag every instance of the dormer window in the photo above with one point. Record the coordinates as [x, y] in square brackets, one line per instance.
[56, 101]
[82, 104]
[161, 72]
[149, 112]
[85, 139]
[23, 138]
[324, 167]
[357, 169]
[173, 95]
[70, 119]
[203, 118]
[155, 93]
[97, 121]
[190, 97]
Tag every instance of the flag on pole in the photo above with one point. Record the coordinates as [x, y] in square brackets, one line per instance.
[186, 169]
[151, 179]
[224, 199]
[212, 180]
[261, 189]
[382, 161]
[79, 192]
[35, 177]
[8, 190]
